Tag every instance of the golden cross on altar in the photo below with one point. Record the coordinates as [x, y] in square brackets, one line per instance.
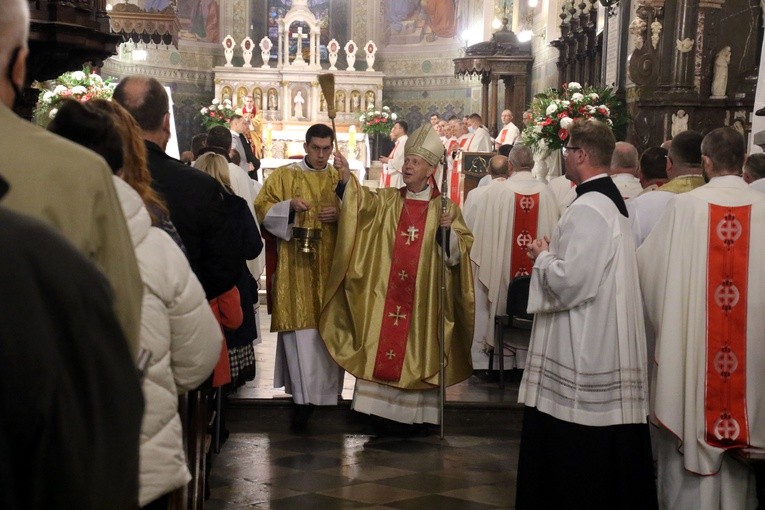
[412, 233]
[390, 354]
[396, 316]
[403, 275]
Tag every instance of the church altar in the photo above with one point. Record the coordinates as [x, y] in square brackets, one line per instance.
[288, 97]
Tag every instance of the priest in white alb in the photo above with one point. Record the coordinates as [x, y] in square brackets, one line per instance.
[505, 217]
[380, 320]
[391, 176]
[585, 441]
[703, 284]
[509, 134]
[480, 139]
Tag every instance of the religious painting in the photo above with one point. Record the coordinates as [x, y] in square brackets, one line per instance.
[257, 97]
[333, 17]
[240, 93]
[416, 21]
[370, 100]
[355, 101]
[340, 101]
[199, 20]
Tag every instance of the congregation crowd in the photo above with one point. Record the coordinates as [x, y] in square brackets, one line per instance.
[130, 278]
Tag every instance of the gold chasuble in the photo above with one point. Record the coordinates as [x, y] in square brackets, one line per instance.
[381, 314]
[299, 278]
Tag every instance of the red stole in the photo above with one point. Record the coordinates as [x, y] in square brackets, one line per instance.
[502, 136]
[386, 174]
[399, 300]
[524, 232]
[454, 183]
[727, 279]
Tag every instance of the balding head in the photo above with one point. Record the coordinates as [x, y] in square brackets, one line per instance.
[521, 159]
[14, 31]
[498, 167]
[146, 100]
[624, 160]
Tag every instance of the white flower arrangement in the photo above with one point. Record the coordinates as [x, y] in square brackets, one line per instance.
[79, 85]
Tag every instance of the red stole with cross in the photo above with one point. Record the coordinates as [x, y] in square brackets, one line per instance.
[727, 279]
[399, 300]
[525, 222]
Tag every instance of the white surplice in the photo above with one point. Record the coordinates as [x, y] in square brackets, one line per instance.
[629, 185]
[480, 141]
[489, 213]
[645, 212]
[587, 358]
[395, 164]
[673, 277]
[509, 134]
[564, 191]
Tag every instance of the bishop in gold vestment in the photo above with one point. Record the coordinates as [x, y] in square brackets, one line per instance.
[381, 314]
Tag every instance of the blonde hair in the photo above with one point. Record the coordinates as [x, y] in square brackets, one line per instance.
[216, 166]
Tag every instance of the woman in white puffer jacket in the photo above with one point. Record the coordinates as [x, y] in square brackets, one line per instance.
[177, 324]
[184, 338]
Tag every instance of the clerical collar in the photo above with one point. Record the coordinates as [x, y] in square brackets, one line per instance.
[599, 176]
[420, 195]
[603, 184]
[308, 166]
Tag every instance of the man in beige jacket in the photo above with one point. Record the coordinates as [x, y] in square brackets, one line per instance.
[63, 184]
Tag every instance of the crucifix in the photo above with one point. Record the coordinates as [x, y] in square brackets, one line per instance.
[299, 35]
[411, 234]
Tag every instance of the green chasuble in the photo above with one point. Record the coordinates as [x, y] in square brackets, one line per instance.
[355, 298]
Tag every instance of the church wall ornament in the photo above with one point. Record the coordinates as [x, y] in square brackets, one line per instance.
[247, 46]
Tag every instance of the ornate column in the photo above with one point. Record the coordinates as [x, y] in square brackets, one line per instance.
[492, 121]
[485, 80]
[519, 96]
[279, 53]
[683, 54]
[508, 81]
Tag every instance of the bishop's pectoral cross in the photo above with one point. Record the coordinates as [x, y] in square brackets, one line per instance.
[299, 35]
[411, 234]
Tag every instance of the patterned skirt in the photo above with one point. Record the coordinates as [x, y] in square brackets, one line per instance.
[242, 361]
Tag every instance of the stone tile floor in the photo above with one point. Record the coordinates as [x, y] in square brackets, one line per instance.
[333, 464]
[336, 464]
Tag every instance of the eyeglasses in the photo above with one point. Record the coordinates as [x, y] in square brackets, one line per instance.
[569, 148]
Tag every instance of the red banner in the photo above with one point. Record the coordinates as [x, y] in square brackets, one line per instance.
[727, 277]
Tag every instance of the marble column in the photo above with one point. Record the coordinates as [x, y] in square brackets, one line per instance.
[492, 121]
[485, 80]
[681, 64]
